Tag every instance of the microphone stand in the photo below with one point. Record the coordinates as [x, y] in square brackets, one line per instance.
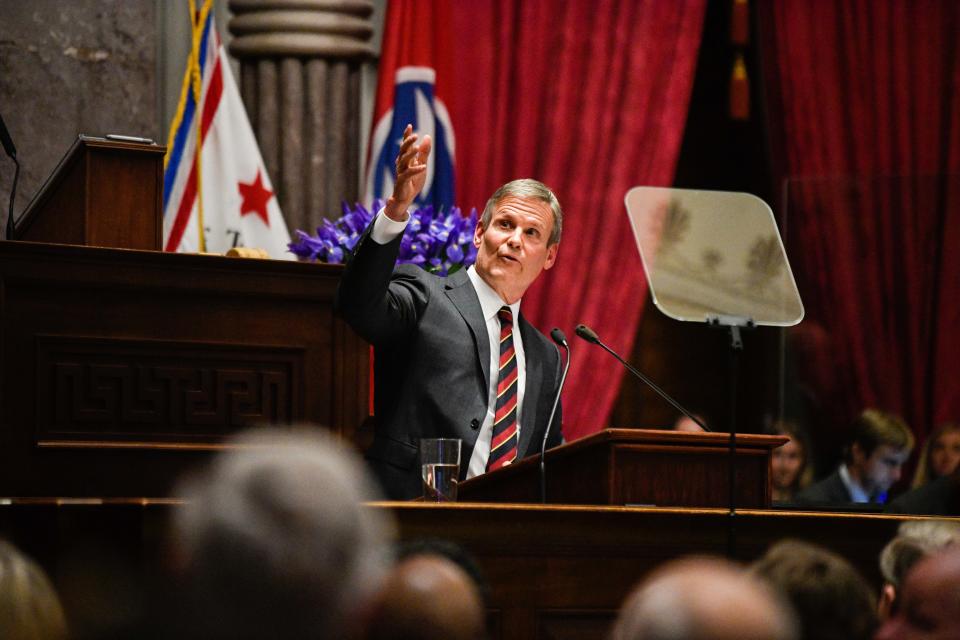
[733, 324]
[11, 150]
[561, 340]
[589, 335]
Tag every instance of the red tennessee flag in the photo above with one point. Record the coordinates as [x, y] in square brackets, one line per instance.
[412, 88]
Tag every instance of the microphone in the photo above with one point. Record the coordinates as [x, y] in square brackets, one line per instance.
[561, 340]
[11, 151]
[6, 140]
[590, 335]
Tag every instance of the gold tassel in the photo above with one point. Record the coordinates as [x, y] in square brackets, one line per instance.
[739, 90]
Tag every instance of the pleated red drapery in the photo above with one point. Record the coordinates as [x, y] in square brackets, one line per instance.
[589, 97]
[865, 101]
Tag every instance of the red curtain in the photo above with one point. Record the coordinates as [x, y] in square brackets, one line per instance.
[589, 97]
[864, 98]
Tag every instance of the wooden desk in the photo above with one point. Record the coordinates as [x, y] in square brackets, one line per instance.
[557, 572]
[120, 368]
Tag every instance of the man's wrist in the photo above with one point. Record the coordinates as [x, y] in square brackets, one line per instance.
[386, 229]
[395, 210]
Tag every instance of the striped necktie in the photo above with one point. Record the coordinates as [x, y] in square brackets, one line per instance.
[503, 444]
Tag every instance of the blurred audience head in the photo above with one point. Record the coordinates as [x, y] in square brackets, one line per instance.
[915, 540]
[940, 455]
[703, 599]
[277, 542]
[685, 423]
[29, 606]
[428, 596]
[831, 600]
[929, 600]
[882, 442]
[789, 468]
[451, 551]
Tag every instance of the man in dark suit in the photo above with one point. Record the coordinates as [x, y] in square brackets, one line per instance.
[454, 357]
[881, 444]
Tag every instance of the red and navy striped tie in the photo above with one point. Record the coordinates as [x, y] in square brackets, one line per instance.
[503, 444]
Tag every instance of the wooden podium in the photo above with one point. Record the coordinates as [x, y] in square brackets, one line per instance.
[121, 365]
[104, 193]
[638, 467]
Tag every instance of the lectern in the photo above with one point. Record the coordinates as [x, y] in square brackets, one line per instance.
[104, 193]
[638, 467]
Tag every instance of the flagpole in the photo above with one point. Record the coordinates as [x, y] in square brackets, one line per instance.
[197, 81]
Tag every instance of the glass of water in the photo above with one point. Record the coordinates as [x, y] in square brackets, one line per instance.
[440, 465]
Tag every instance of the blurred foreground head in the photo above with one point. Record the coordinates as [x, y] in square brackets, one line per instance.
[703, 599]
[277, 543]
[29, 607]
[831, 599]
[930, 601]
[429, 597]
[915, 540]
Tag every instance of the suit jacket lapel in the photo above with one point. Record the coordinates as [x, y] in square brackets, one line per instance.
[534, 386]
[464, 298]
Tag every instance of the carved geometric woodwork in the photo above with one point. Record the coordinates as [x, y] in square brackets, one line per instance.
[119, 369]
[121, 391]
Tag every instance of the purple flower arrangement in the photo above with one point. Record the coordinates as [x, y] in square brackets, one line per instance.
[439, 242]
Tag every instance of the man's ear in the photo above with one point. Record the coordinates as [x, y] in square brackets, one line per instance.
[857, 454]
[478, 234]
[551, 255]
[888, 598]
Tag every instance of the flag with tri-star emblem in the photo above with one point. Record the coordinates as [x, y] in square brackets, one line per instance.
[218, 196]
[414, 75]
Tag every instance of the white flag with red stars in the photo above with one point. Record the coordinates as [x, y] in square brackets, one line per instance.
[226, 200]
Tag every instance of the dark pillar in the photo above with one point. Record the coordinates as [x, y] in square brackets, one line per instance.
[300, 68]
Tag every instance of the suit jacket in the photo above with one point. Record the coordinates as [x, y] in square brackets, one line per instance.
[432, 361]
[940, 498]
[830, 490]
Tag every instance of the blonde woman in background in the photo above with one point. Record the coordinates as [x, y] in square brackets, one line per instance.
[939, 456]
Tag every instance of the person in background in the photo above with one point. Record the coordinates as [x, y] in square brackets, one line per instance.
[831, 599]
[685, 423]
[940, 455]
[704, 599]
[930, 601]
[789, 471]
[29, 606]
[277, 543]
[915, 540]
[882, 442]
[428, 596]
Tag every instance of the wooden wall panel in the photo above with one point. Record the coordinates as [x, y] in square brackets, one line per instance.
[122, 368]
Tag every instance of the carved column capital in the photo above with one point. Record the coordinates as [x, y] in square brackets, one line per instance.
[330, 29]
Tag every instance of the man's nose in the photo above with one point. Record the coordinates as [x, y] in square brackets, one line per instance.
[515, 237]
[897, 472]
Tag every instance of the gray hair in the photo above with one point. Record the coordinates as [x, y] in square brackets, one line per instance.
[277, 539]
[916, 539]
[527, 188]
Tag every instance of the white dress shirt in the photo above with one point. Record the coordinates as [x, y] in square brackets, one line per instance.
[384, 230]
[490, 303]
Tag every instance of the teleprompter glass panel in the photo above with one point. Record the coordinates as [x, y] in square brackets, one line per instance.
[711, 254]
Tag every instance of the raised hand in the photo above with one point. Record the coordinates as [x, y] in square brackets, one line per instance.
[411, 174]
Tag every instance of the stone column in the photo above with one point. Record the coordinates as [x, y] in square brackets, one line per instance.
[300, 63]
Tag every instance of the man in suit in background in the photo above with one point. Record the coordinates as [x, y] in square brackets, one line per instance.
[454, 356]
[881, 444]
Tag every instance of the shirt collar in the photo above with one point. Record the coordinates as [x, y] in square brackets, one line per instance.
[857, 493]
[490, 300]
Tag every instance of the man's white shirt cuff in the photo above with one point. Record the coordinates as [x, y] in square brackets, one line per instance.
[384, 229]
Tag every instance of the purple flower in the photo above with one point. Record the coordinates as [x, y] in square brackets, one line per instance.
[440, 242]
